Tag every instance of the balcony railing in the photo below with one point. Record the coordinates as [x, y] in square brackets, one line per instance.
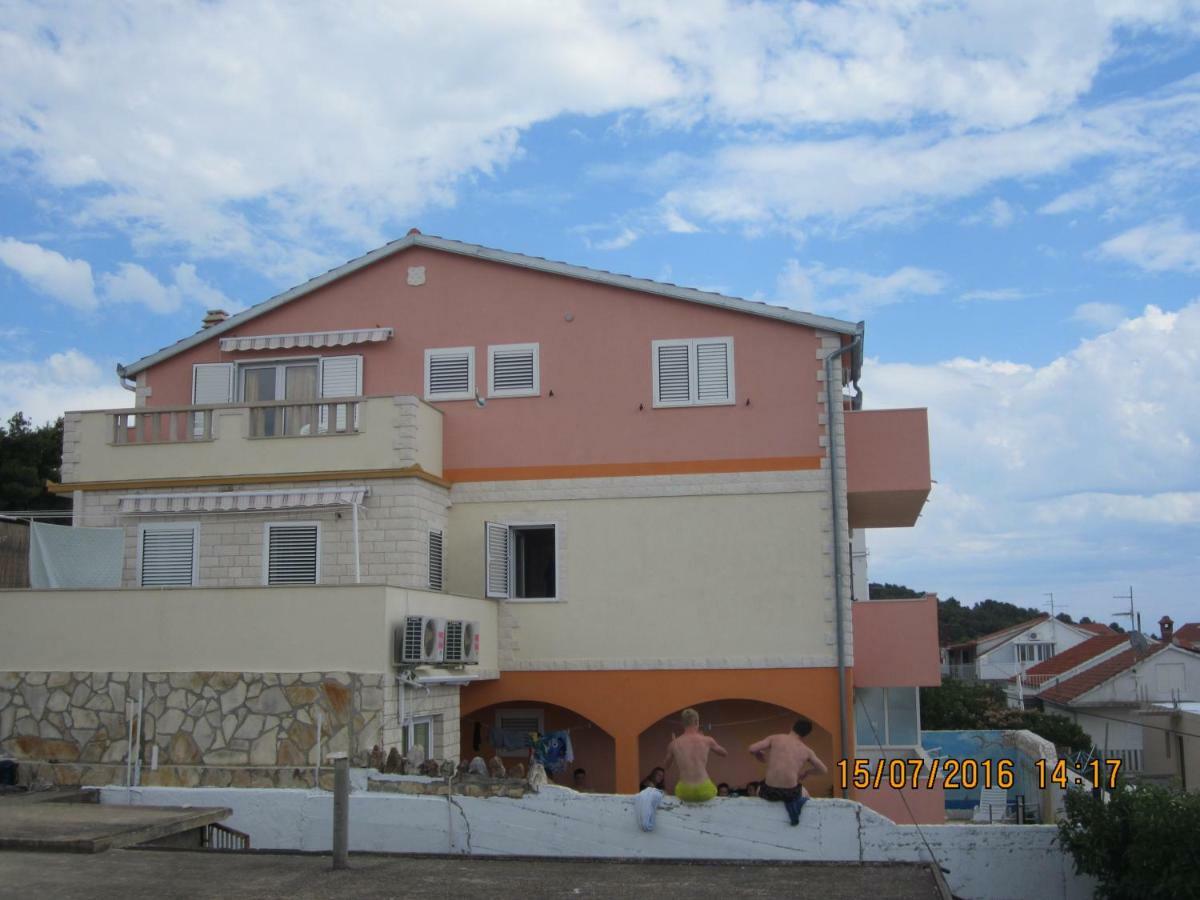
[187, 424]
[967, 672]
[245, 439]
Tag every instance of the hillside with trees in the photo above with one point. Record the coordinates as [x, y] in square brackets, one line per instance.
[29, 457]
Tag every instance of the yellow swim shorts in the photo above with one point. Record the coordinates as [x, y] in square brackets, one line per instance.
[695, 793]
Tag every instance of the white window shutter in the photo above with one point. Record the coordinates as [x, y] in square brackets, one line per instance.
[168, 557]
[672, 373]
[292, 553]
[435, 561]
[340, 376]
[714, 371]
[513, 370]
[497, 542]
[450, 374]
[212, 383]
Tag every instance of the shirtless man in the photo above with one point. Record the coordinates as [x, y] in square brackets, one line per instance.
[690, 751]
[789, 760]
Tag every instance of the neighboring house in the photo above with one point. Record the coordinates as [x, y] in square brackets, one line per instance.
[1003, 654]
[623, 487]
[1171, 744]
[1023, 688]
[1108, 695]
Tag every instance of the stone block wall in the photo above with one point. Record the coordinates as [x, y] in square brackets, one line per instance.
[394, 524]
[214, 728]
[440, 701]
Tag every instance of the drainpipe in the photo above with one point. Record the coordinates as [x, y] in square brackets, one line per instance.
[831, 432]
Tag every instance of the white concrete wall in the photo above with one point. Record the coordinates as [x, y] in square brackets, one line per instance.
[667, 581]
[275, 629]
[995, 862]
[1148, 681]
[393, 433]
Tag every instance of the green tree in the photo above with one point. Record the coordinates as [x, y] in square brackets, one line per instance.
[969, 705]
[1141, 843]
[29, 457]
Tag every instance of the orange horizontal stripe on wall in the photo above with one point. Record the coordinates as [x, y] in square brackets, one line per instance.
[618, 470]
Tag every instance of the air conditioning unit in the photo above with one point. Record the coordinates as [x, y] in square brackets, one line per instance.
[1033, 635]
[462, 642]
[420, 639]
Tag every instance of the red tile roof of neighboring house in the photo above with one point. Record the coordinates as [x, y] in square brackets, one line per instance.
[1078, 655]
[1095, 628]
[1189, 634]
[1077, 685]
[1014, 629]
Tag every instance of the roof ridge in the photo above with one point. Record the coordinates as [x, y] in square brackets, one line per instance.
[478, 251]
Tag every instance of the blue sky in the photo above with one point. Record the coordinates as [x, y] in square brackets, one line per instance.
[1005, 191]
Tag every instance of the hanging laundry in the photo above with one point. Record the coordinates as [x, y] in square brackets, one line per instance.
[551, 750]
[645, 805]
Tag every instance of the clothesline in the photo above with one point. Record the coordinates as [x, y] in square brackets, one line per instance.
[708, 727]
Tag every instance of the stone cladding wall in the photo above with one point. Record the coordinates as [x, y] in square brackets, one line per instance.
[252, 729]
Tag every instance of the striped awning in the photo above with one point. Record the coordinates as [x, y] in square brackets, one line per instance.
[240, 501]
[341, 338]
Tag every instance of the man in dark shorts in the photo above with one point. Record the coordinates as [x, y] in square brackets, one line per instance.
[789, 760]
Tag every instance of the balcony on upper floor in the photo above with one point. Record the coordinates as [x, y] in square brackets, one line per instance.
[896, 642]
[887, 466]
[347, 434]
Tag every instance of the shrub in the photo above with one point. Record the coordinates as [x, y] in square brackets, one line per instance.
[1142, 843]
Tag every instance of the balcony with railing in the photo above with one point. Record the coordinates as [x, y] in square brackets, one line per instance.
[268, 438]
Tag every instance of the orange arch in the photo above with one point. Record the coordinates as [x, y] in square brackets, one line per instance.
[626, 702]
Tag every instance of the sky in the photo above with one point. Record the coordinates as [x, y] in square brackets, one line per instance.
[1006, 192]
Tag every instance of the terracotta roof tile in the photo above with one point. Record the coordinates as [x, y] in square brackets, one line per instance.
[1189, 634]
[1095, 628]
[1077, 655]
[1020, 626]
[1077, 685]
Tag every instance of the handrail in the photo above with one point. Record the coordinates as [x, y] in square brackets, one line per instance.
[199, 407]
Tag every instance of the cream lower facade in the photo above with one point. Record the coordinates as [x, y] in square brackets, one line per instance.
[664, 580]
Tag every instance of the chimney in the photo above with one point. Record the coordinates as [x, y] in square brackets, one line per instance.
[1166, 629]
[214, 317]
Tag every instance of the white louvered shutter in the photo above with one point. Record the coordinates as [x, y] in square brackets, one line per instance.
[435, 560]
[497, 540]
[292, 553]
[672, 373]
[513, 371]
[212, 383]
[713, 369]
[450, 374]
[168, 557]
[341, 376]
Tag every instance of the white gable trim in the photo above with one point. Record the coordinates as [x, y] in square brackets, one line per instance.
[628, 282]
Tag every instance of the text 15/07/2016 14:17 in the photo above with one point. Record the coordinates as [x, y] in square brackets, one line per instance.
[969, 774]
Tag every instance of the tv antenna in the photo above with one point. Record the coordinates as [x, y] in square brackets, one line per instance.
[1136, 639]
[1052, 604]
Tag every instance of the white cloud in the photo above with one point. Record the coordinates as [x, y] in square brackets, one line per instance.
[1101, 316]
[998, 213]
[44, 389]
[282, 134]
[1160, 246]
[845, 292]
[133, 284]
[994, 294]
[48, 272]
[1079, 471]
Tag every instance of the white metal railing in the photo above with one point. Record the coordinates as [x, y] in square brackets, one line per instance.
[189, 424]
[965, 672]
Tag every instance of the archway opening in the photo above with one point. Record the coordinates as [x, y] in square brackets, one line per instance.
[489, 730]
[736, 724]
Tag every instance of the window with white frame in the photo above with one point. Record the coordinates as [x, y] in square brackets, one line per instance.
[521, 561]
[693, 372]
[1029, 652]
[418, 730]
[291, 553]
[514, 723]
[450, 373]
[435, 560]
[886, 717]
[513, 370]
[266, 382]
[167, 554]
